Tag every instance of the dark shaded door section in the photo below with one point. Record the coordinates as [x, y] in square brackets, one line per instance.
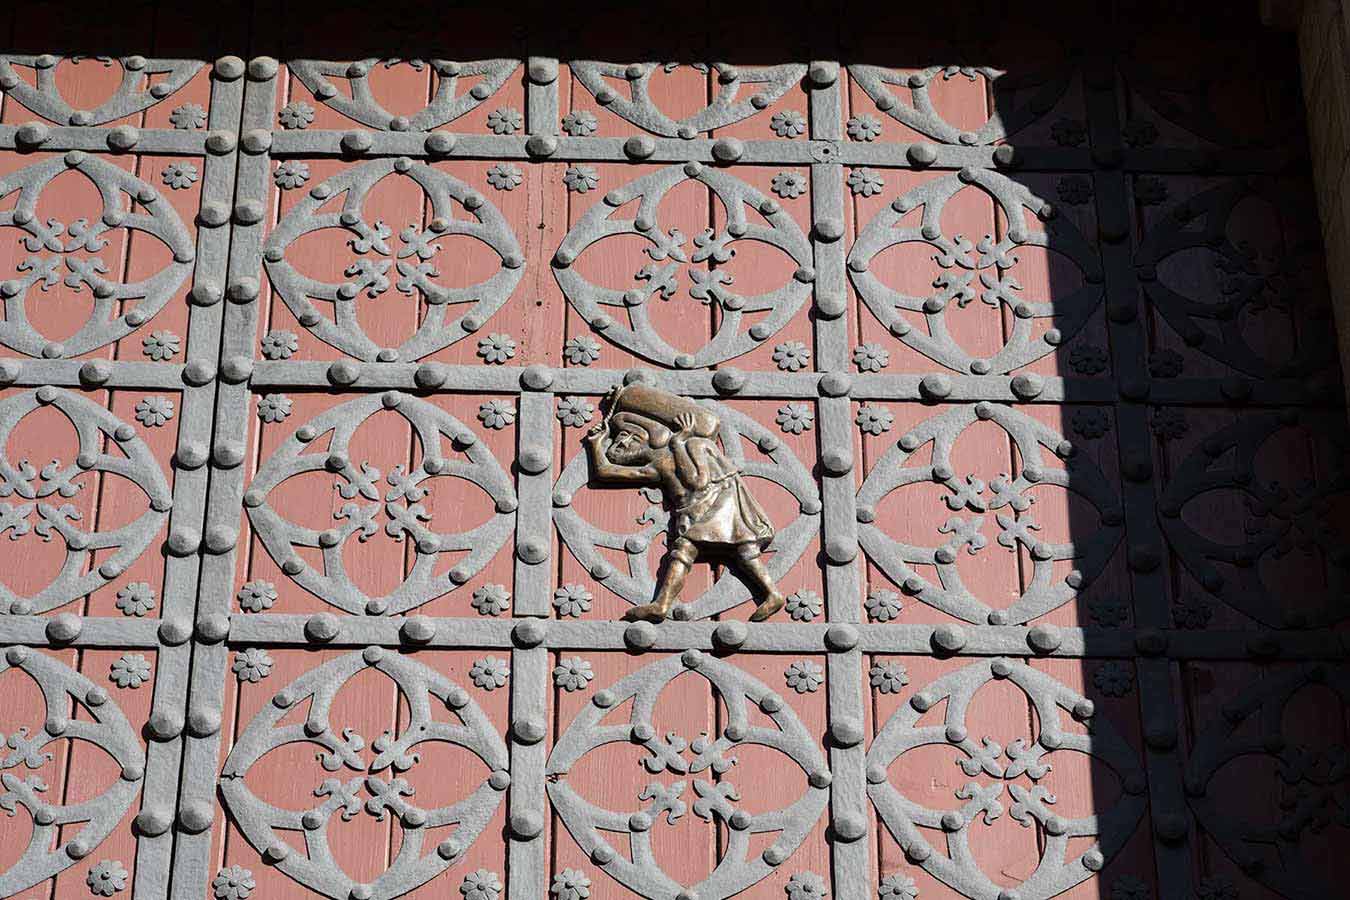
[1018, 329]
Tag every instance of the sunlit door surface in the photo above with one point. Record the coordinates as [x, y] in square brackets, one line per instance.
[1019, 333]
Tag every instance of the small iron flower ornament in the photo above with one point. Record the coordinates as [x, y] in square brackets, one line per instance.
[804, 676]
[788, 124]
[291, 174]
[864, 128]
[496, 414]
[581, 179]
[298, 114]
[233, 883]
[581, 123]
[573, 674]
[179, 175]
[789, 185]
[187, 117]
[581, 351]
[107, 878]
[572, 600]
[794, 418]
[505, 121]
[161, 345]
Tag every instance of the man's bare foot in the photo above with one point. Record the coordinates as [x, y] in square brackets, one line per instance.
[767, 607]
[649, 612]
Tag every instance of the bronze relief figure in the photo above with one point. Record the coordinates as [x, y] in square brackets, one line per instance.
[650, 437]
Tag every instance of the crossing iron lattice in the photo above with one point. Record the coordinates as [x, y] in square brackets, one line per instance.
[1027, 340]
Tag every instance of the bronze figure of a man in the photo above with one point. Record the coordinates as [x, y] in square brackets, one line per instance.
[650, 437]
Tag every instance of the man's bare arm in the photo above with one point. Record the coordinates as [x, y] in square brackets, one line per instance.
[605, 470]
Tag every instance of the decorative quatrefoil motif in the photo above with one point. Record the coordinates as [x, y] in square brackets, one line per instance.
[708, 756]
[449, 449]
[134, 94]
[447, 103]
[63, 833]
[636, 585]
[379, 788]
[372, 255]
[658, 277]
[741, 93]
[1281, 278]
[1014, 766]
[26, 489]
[1008, 498]
[116, 309]
[965, 271]
[1309, 778]
[1300, 518]
[1041, 87]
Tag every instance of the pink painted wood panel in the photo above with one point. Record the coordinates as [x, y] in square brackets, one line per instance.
[74, 771]
[370, 704]
[538, 322]
[379, 564]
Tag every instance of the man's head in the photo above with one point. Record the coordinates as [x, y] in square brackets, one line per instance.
[635, 440]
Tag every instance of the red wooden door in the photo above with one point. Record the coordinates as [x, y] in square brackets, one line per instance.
[1024, 348]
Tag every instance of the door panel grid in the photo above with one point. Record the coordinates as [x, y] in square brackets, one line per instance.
[1026, 352]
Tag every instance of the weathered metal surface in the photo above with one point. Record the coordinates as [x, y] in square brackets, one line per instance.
[1025, 354]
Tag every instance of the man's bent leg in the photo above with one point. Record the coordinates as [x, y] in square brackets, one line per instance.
[767, 597]
[674, 570]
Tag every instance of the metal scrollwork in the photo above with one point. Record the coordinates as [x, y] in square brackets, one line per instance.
[26, 489]
[715, 799]
[381, 780]
[1043, 87]
[117, 308]
[1009, 765]
[134, 94]
[1311, 786]
[63, 833]
[447, 104]
[658, 279]
[969, 271]
[414, 261]
[448, 449]
[1007, 497]
[741, 93]
[1283, 278]
[636, 585]
[1282, 519]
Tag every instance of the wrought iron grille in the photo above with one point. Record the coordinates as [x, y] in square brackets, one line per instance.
[252, 305]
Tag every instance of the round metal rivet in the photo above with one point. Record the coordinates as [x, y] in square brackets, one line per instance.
[849, 827]
[730, 634]
[920, 155]
[153, 821]
[935, 386]
[528, 730]
[440, 143]
[529, 633]
[1045, 638]
[417, 630]
[639, 147]
[949, 638]
[163, 726]
[228, 68]
[841, 636]
[64, 627]
[357, 141]
[640, 635]
[321, 627]
[727, 149]
[124, 137]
